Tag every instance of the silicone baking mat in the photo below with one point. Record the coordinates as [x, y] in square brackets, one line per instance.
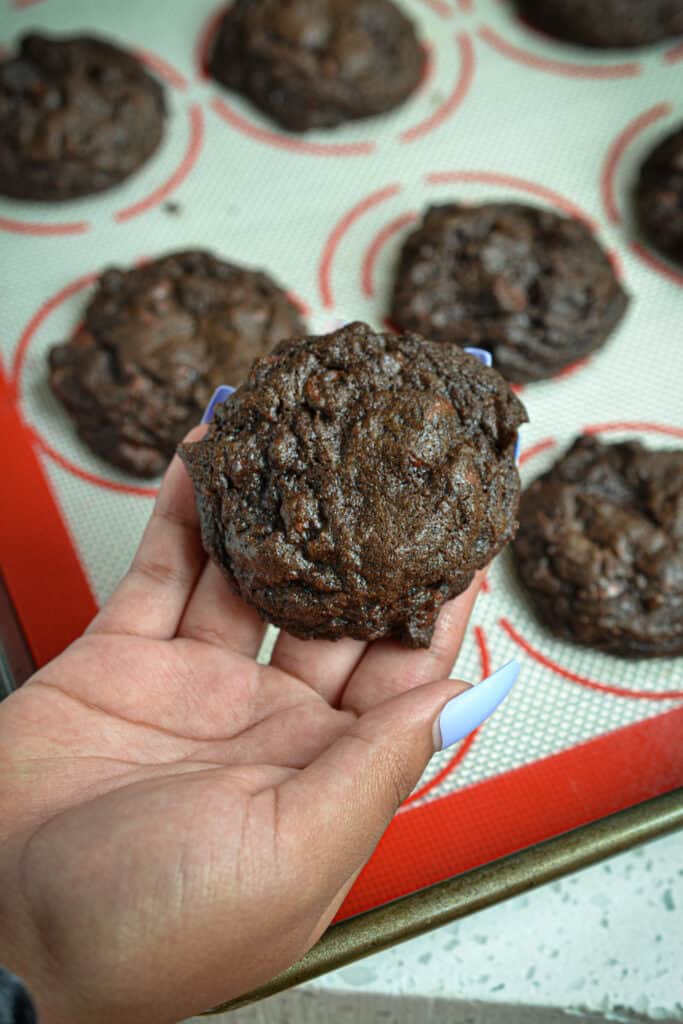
[502, 113]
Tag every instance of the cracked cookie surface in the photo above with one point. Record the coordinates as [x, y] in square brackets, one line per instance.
[317, 63]
[533, 287]
[600, 547]
[357, 481]
[77, 116]
[155, 343]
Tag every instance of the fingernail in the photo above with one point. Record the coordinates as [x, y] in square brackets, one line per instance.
[481, 354]
[461, 715]
[219, 395]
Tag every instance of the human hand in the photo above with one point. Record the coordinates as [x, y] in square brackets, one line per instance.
[179, 823]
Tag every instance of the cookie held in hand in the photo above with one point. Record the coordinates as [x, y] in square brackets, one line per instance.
[356, 481]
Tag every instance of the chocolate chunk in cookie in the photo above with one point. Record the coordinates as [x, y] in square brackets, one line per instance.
[155, 342]
[659, 196]
[77, 116]
[317, 63]
[356, 481]
[600, 547]
[533, 287]
[606, 24]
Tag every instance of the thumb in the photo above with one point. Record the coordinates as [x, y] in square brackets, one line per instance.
[343, 801]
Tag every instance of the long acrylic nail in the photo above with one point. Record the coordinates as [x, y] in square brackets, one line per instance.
[220, 395]
[461, 715]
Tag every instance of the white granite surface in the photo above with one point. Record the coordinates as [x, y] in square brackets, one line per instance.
[604, 943]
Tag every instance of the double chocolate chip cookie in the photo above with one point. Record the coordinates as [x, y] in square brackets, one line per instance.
[76, 116]
[659, 196]
[316, 63]
[606, 23]
[356, 481]
[533, 287]
[600, 547]
[155, 343]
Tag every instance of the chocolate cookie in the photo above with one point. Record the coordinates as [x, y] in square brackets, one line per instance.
[357, 480]
[76, 116]
[532, 287]
[155, 343]
[659, 195]
[600, 547]
[606, 24]
[317, 63]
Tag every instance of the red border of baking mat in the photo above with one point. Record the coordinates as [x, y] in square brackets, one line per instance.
[519, 808]
[35, 544]
[423, 845]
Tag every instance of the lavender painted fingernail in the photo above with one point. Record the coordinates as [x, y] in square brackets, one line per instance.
[461, 715]
[220, 395]
[481, 354]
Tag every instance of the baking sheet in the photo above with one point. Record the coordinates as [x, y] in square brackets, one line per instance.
[503, 113]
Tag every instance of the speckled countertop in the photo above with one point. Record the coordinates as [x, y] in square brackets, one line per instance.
[604, 943]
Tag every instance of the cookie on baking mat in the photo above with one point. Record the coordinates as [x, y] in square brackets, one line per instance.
[317, 63]
[659, 195]
[606, 24]
[533, 287]
[77, 115]
[155, 343]
[600, 547]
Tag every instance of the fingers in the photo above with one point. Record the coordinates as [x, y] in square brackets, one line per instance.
[215, 614]
[151, 598]
[388, 668]
[324, 665]
[334, 812]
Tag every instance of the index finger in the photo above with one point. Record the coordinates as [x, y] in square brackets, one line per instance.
[151, 598]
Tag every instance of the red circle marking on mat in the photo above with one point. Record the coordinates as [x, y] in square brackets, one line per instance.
[235, 120]
[162, 68]
[297, 301]
[574, 677]
[428, 66]
[338, 232]
[464, 747]
[25, 340]
[439, 7]
[20, 4]
[542, 659]
[654, 263]
[511, 181]
[181, 172]
[558, 67]
[453, 101]
[376, 245]
[205, 41]
[24, 227]
[84, 474]
[536, 449]
[636, 425]
[465, 6]
[673, 55]
[37, 319]
[616, 151]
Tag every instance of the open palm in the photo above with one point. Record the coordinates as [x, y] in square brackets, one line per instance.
[178, 822]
